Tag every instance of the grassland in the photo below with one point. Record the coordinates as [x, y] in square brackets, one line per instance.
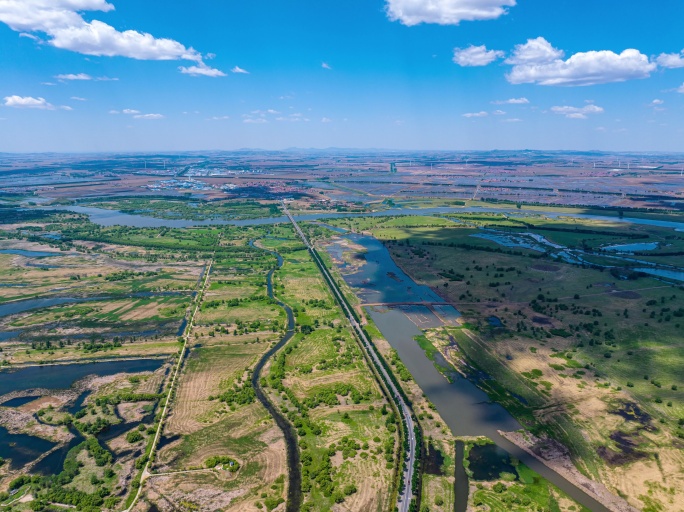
[214, 413]
[321, 381]
[578, 353]
[188, 208]
[516, 488]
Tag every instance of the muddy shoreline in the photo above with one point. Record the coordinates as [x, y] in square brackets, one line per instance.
[556, 457]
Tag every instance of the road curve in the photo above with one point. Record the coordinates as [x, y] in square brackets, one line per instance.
[404, 498]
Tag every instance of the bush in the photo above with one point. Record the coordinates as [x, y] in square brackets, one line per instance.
[134, 436]
[349, 489]
[499, 487]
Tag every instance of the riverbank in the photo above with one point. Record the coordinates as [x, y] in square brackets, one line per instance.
[556, 457]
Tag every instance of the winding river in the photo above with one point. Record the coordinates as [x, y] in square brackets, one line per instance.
[464, 407]
[294, 488]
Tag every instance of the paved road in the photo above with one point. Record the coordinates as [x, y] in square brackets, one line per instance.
[404, 500]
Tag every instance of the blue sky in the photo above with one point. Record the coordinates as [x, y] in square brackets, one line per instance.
[126, 75]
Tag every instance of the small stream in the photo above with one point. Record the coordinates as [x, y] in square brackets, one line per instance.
[294, 488]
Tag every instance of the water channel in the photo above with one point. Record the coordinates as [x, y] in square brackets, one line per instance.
[464, 407]
[294, 488]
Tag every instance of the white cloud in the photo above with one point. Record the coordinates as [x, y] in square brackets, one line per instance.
[66, 107]
[72, 76]
[671, 60]
[28, 102]
[476, 114]
[577, 112]
[445, 12]
[238, 69]
[512, 101]
[106, 79]
[252, 120]
[657, 102]
[476, 56]
[78, 98]
[681, 89]
[65, 27]
[148, 116]
[114, 112]
[325, 65]
[534, 51]
[201, 70]
[511, 120]
[326, 120]
[130, 111]
[216, 118]
[31, 36]
[499, 113]
[538, 62]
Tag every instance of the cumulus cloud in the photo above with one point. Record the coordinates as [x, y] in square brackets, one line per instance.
[681, 89]
[538, 62]
[28, 102]
[130, 111]
[577, 112]
[512, 101]
[476, 114]
[445, 12]
[671, 60]
[476, 56]
[201, 70]
[534, 51]
[72, 76]
[61, 21]
[238, 69]
[657, 102]
[499, 113]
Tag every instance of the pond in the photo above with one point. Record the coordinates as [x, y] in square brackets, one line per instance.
[644, 246]
[488, 462]
[29, 254]
[63, 376]
[19, 401]
[19, 306]
[22, 449]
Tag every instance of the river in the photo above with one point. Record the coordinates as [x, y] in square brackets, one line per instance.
[464, 407]
[105, 217]
[294, 488]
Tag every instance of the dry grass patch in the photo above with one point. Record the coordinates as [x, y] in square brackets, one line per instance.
[208, 371]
